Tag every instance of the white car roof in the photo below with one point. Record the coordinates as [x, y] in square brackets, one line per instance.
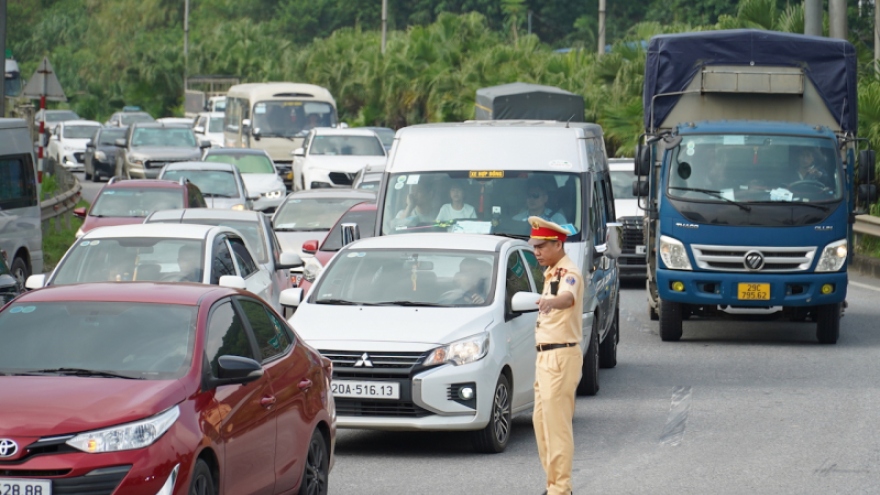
[212, 114]
[447, 241]
[335, 131]
[196, 165]
[206, 213]
[159, 230]
[90, 123]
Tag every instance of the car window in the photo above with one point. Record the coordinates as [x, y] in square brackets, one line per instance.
[536, 269]
[516, 277]
[79, 131]
[212, 183]
[347, 145]
[311, 214]
[272, 339]
[221, 261]
[243, 257]
[135, 201]
[226, 336]
[108, 137]
[195, 198]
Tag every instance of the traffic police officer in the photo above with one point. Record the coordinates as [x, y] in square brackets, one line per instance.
[560, 360]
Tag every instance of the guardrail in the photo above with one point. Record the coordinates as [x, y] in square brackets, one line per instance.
[867, 225]
[65, 199]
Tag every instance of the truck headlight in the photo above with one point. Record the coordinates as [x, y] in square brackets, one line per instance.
[460, 352]
[312, 269]
[674, 254]
[130, 436]
[833, 257]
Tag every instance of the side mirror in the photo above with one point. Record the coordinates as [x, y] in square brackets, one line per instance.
[350, 233]
[867, 194]
[290, 298]
[289, 260]
[90, 144]
[245, 125]
[236, 370]
[199, 129]
[867, 170]
[640, 188]
[257, 134]
[643, 160]
[80, 212]
[253, 196]
[35, 281]
[299, 152]
[614, 239]
[310, 247]
[232, 282]
[524, 302]
[120, 143]
[204, 144]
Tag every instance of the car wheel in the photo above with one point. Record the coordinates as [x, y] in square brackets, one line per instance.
[828, 323]
[670, 321]
[19, 270]
[589, 384]
[608, 347]
[202, 482]
[317, 469]
[494, 437]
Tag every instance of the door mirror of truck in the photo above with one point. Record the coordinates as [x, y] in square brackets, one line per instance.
[120, 143]
[245, 125]
[867, 194]
[643, 160]
[640, 188]
[867, 170]
[613, 239]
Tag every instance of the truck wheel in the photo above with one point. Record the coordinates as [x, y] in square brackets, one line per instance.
[652, 313]
[589, 383]
[828, 323]
[670, 321]
[608, 347]
[652, 297]
[493, 438]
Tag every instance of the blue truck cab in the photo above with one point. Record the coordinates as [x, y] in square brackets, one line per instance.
[747, 175]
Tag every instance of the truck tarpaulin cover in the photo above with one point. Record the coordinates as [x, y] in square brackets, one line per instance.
[674, 60]
[528, 101]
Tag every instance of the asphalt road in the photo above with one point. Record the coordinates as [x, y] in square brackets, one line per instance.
[734, 408]
[89, 189]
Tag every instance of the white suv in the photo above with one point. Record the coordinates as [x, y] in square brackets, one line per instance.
[332, 157]
[67, 144]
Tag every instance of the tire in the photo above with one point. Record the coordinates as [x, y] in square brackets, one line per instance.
[316, 472]
[589, 384]
[19, 270]
[494, 437]
[652, 313]
[670, 321]
[608, 347]
[828, 323]
[202, 482]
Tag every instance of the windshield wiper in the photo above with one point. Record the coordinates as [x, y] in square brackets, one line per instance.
[716, 194]
[215, 195]
[512, 236]
[84, 372]
[791, 203]
[343, 302]
[409, 303]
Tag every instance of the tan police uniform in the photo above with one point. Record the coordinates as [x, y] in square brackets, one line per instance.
[559, 364]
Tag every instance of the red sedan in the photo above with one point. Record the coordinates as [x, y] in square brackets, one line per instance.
[149, 388]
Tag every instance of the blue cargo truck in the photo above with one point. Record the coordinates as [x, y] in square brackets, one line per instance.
[748, 175]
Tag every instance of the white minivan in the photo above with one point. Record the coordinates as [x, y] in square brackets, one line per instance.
[488, 177]
[21, 236]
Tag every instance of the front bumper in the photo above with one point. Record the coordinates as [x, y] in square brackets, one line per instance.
[719, 288]
[267, 205]
[73, 161]
[107, 169]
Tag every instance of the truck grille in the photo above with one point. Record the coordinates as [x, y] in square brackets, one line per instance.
[633, 233]
[732, 258]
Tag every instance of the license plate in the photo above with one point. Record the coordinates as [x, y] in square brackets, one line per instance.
[295, 281]
[25, 487]
[368, 390]
[753, 292]
[289, 175]
[640, 249]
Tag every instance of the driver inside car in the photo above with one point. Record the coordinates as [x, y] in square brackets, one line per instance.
[189, 261]
[809, 170]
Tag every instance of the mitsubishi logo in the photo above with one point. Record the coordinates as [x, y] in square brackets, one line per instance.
[364, 361]
[754, 260]
[8, 448]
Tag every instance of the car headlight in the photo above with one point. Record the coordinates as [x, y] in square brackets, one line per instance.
[130, 436]
[100, 156]
[833, 257]
[460, 352]
[238, 207]
[312, 269]
[674, 254]
[273, 194]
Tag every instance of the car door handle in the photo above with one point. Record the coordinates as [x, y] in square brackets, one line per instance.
[267, 401]
[305, 384]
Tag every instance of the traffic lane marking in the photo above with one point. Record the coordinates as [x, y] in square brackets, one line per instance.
[864, 286]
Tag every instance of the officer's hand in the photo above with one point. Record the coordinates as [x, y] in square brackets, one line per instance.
[545, 304]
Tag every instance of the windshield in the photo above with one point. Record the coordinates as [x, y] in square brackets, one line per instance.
[132, 118]
[135, 202]
[218, 105]
[311, 214]
[385, 134]
[247, 164]
[148, 341]
[109, 136]
[212, 183]
[13, 84]
[61, 116]
[154, 259]
[755, 169]
[79, 131]
[252, 232]
[481, 202]
[408, 277]
[215, 124]
[346, 145]
[176, 137]
[622, 183]
[291, 117]
[365, 220]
